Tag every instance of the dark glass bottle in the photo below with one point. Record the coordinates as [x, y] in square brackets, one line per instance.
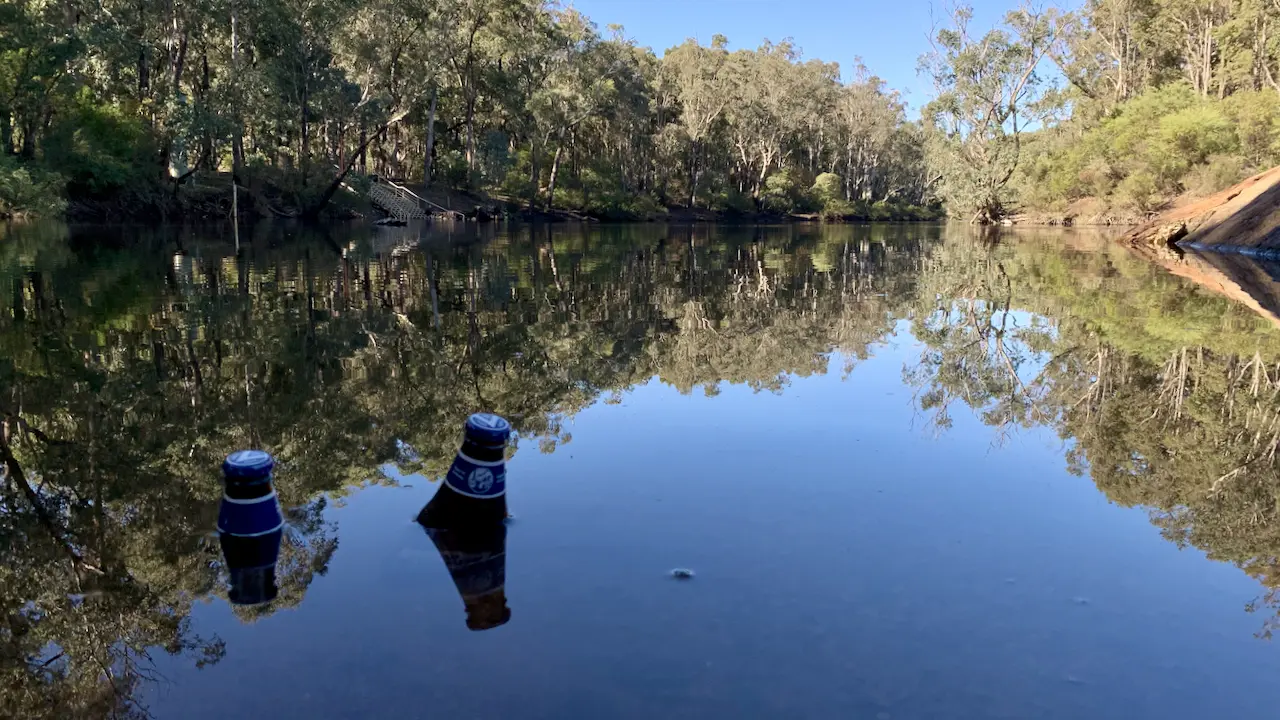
[250, 526]
[474, 492]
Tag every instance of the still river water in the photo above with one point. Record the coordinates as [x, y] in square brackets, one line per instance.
[917, 472]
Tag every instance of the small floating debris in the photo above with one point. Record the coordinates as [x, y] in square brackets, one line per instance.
[682, 574]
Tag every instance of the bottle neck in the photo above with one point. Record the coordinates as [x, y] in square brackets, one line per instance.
[483, 453]
[238, 489]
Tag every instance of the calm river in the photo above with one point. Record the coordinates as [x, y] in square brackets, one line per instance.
[916, 472]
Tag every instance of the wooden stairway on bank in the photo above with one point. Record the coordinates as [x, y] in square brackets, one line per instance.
[403, 204]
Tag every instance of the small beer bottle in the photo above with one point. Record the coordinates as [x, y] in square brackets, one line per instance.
[474, 492]
[250, 526]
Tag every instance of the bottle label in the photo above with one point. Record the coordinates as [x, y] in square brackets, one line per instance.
[476, 478]
[250, 517]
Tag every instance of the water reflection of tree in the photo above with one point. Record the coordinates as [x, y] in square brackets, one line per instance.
[128, 375]
[1166, 394]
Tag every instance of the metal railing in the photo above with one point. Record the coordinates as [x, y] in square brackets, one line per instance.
[390, 198]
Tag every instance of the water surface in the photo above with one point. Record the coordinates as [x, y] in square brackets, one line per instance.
[918, 473]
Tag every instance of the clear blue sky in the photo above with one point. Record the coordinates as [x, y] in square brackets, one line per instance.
[888, 36]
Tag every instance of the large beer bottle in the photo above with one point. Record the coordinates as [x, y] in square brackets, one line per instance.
[250, 526]
[474, 492]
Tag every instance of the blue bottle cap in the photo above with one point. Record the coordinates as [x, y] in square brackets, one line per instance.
[488, 429]
[247, 465]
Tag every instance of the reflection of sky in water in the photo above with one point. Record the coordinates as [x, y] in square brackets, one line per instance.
[850, 563]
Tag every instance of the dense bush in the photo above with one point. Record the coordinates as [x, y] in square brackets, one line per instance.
[783, 193]
[1167, 141]
[100, 149]
[28, 191]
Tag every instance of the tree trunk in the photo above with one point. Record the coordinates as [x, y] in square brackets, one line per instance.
[363, 153]
[313, 212]
[174, 149]
[535, 174]
[693, 177]
[431, 140]
[237, 138]
[848, 173]
[555, 168]
[471, 137]
[304, 144]
[6, 132]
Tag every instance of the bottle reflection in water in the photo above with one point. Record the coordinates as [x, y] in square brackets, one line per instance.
[474, 492]
[466, 520]
[252, 564]
[250, 526]
[477, 562]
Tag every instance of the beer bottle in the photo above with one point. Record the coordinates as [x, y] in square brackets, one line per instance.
[474, 492]
[250, 526]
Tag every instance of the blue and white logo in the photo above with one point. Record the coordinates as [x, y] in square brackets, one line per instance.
[477, 479]
[480, 480]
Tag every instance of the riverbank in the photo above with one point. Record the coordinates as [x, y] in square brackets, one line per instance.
[209, 196]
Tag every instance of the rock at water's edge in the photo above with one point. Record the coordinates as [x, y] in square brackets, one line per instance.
[1244, 218]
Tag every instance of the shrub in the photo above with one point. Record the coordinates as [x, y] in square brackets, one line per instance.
[101, 149]
[29, 192]
[1256, 117]
[828, 187]
[1139, 191]
[1220, 173]
[881, 211]
[1187, 138]
[838, 209]
[783, 193]
[729, 200]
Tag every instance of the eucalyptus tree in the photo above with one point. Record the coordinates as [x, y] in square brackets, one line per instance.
[988, 92]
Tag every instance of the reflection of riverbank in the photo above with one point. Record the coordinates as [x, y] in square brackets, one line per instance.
[344, 363]
[1240, 278]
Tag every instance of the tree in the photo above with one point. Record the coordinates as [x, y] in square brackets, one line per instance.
[989, 90]
[700, 77]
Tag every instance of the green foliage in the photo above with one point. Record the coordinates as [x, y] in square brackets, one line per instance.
[27, 191]
[838, 209]
[783, 193]
[516, 93]
[1139, 190]
[987, 90]
[827, 187]
[1186, 139]
[1256, 117]
[730, 200]
[1159, 144]
[100, 148]
[1151, 105]
[1219, 172]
